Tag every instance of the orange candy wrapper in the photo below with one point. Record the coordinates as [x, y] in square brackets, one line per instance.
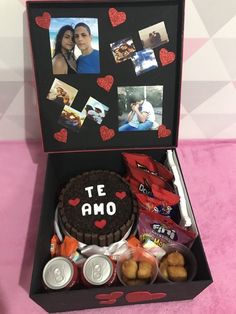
[67, 248]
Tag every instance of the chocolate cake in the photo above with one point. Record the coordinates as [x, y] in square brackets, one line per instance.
[97, 207]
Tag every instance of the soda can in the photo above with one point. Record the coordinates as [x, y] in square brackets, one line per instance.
[98, 270]
[60, 273]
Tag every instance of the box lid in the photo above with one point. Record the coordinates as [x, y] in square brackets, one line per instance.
[113, 85]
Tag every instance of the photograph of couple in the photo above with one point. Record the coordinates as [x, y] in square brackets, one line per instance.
[74, 45]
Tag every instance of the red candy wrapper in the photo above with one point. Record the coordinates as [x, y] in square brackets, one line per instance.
[162, 230]
[147, 164]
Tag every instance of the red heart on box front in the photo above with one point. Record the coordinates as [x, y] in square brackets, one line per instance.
[61, 136]
[109, 298]
[116, 17]
[106, 82]
[140, 296]
[74, 202]
[100, 223]
[166, 56]
[44, 20]
[106, 133]
[121, 195]
[163, 131]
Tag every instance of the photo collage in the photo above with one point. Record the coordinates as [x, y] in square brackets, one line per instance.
[74, 44]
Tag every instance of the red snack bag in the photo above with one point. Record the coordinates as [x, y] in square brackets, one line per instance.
[147, 178]
[148, 164]
[162, 230]
[167, 197]
[139, 187]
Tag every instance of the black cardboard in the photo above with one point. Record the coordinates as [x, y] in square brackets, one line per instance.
[60, 167]
[97, 154]
[139, 16]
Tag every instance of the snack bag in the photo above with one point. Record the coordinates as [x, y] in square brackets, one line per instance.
[148, 164]
[147, 178]
[162, 230]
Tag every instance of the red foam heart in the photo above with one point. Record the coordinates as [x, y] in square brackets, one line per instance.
[100, 223]
[106, 82]
[61, 136]
[106, 133]
[109, 298]
[140, 296]
[74, 202]
[121, 195]
[116, 17]
[163, 131]
[166, 56]
[44, 20]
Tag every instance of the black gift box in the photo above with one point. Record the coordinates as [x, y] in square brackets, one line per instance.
[83, 132]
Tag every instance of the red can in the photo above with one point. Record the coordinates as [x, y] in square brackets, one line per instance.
[98, 270]
[60, 273]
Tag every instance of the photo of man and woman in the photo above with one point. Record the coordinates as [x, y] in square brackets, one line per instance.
[95, 110]
[140, 108]
[123, 49]
[74, 45]
[154, 36]
[62, 93]
[71, 118]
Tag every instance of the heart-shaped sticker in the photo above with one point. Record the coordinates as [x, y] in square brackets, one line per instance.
[140, 296]
[116, 17]
[106, 82]
[74, 202]
[166, 56]
[106, 133]
[100, 223]
[44, 20]
[163, 131]
[109, 298]
[121, 195]
[61, 136]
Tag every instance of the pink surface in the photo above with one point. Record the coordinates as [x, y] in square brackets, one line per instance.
[210, 173]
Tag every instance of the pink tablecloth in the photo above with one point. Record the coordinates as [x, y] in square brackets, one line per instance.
[210, 173]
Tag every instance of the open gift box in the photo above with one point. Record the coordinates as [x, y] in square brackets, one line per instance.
[84, 95]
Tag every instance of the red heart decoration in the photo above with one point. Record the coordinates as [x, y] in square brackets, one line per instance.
[140, 296]
[166, 56]
[61, 136]
[105, 82]
[121, 195]
[163, 131]
[100, 223]
[116, 17]
[106, 133]
[44, 20]
[74, 202]
[109, 298]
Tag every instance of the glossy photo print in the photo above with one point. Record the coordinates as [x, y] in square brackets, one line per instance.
[74, 44]
[62, 93]
[123, 49]
[95, 110]
[144, 61]
[154, 36]
[71, 118]
[140, 108]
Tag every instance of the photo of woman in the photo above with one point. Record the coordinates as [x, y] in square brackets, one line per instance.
[63, 61]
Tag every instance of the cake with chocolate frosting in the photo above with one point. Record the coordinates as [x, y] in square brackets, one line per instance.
[97, 207]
